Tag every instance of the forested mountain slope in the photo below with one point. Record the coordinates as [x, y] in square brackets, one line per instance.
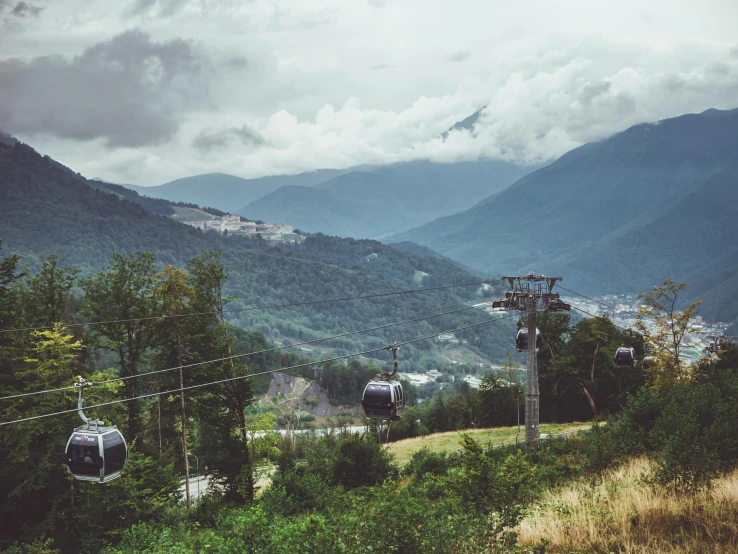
[390, 199]
[47, 210]
[655, 201]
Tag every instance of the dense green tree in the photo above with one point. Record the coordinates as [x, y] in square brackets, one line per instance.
[359, 460]
[120, 296]
[48, 295]
[578, 378]
[173, 298]
[31, 453]
[499, 402]
[222, 404]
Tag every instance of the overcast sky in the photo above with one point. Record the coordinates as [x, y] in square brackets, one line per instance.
[153, 90]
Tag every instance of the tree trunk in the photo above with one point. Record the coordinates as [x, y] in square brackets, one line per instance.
[592, 371]
[158, 422]
[133, 427]
[184, 416]
[590, 399]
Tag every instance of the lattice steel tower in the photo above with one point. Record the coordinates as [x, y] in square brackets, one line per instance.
[532, 294]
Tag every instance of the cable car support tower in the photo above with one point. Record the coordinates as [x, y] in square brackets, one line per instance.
[531, 294]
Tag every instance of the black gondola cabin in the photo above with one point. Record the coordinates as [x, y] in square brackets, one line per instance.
[96, 454]
[625, 357]
[521, 340]
[383, 400]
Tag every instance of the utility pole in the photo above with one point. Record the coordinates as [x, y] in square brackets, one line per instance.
[531, 294]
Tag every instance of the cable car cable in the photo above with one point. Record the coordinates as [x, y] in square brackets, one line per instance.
[415, 320]
[255, 308]
[387, 325]
[629, 330]
[587, 297]
[230, 379]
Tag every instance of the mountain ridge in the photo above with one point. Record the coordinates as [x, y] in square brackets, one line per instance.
[390, 199]
[613, 215]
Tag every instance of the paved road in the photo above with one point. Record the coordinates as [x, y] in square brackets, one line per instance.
[197, 487]
[200, 487]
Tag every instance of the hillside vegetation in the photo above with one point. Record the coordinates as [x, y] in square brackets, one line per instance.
[48, 209]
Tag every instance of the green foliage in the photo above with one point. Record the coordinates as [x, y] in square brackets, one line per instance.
[424, 461]
[262, 436]
[578, 378]
[689, 429]
[297, 490]
[38, 546]
[359, 460]
[664, 329]
[499, 402]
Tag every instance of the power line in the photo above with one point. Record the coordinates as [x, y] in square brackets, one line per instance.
[230, 379]
[415, 320]
[254, 308]
[587, 297]
[186, 366]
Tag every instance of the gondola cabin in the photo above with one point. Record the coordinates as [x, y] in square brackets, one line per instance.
[521, 340]
[383, 400]
[96, 454]
[625, 357]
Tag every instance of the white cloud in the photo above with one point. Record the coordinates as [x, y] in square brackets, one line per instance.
[299, 84]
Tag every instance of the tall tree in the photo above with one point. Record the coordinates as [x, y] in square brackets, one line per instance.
[174, 297]
[230, 399]
[664, 327]
[49, 292]
[32, 477]
[122, 294]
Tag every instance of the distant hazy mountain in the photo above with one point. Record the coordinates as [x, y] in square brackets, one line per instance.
[228, 193]
[313, 210]
[372, 204]
[655, 201]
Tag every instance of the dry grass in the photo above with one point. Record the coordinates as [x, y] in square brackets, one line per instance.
[449, 441]
[621, 513]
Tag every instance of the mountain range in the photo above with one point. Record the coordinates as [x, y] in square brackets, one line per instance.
[359, 202]
[47, 209]
[229, 193]
[390, 199]
[658, 200]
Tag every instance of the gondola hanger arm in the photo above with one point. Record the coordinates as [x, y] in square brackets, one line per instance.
[392, 348]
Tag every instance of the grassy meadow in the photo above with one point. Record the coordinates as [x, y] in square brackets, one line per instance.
[621, 511]
[449, 441]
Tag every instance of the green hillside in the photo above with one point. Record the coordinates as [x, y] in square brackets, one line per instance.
[49, 210]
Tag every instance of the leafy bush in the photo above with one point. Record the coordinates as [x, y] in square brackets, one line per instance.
[424, 461]
[690, 429]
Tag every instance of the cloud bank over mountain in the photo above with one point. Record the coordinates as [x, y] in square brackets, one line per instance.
[261, 88]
